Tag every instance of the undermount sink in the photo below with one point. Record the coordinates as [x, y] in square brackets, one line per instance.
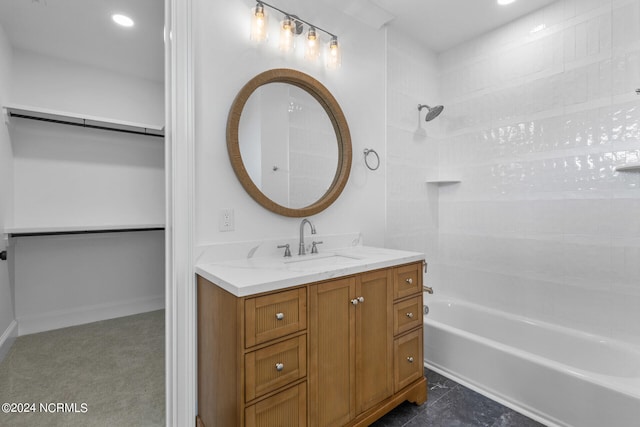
[320, 260]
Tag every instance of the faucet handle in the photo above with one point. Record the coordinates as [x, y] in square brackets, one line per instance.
[314, 248]
[287, 252]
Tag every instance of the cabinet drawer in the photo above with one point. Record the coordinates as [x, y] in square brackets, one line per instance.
[275, 366]
[407, 351]
[285, 409]
[407, 281]
[407, 315]
[275, 315]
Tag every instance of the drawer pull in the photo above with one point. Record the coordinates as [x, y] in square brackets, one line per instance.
[279, 366]
[360, 300]
[409, 281]
[410, 315]
[410, 359]
[279, 316]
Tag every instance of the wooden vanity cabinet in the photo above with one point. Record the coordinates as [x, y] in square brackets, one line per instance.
[360, 356]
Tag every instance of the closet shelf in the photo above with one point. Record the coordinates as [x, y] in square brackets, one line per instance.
[631, 167]
[73, 119]
[93, 229]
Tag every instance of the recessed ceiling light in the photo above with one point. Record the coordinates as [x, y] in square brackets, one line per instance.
[505, 2]
[123, 20]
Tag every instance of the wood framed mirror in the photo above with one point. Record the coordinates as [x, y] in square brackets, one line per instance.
[289, 143]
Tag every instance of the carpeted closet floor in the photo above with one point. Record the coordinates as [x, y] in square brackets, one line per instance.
[108, 373]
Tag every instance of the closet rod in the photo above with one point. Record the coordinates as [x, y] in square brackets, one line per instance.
[84, 124]
[59, 233]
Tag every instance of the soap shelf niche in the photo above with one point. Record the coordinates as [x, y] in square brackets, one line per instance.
[72, 119]
[443, 177]
[631, 167]
[443, 181]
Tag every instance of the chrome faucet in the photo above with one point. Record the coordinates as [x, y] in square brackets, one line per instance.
[301, 250]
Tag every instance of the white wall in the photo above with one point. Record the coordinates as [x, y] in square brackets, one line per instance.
[71, 176]
[74, 279]
[541, 224]
[57, 84]
[85, 176]
[7, 324]
[66, 176]
[223, 67]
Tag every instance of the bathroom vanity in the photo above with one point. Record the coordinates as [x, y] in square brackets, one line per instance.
[318, 340]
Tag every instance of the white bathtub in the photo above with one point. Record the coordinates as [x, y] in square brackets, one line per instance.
[555, 375]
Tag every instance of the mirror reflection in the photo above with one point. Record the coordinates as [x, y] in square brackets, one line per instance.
[288, 145]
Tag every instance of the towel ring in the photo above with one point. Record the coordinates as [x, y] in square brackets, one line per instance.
[366, 160]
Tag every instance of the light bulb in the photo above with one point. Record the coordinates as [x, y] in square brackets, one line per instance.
[286, 35]
[334, 56]
[312, 49]
[259, 20]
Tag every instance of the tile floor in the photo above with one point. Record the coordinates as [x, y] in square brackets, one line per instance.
[450, 404]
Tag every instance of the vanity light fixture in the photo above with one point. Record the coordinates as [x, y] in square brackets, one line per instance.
[290, 27]
[122, 20]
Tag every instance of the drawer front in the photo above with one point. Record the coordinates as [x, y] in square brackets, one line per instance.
[275, 366]
[275, 315]
[408, 361]
[285, 409]
[407, 315]
[407, 281]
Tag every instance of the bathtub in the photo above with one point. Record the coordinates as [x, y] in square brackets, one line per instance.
[555, 375]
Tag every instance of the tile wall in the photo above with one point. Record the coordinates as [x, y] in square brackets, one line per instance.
[538, 114]
[412, 147]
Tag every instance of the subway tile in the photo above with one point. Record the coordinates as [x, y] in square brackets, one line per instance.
[535, 126]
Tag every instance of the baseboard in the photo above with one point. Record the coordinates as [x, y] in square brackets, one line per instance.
[87, 314]
[7, 338]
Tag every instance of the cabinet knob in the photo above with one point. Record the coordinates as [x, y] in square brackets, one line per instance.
[354, 301]
[409, 281]
[279, 366]
[279, 316]
[410, 315]
[360, 299]
[410, 359]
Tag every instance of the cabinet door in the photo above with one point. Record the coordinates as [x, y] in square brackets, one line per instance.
[374, 338]
[332, 352]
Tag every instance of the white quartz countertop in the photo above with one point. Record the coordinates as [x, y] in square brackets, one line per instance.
[251, 276]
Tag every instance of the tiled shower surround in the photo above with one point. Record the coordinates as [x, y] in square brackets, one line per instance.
[537, 115]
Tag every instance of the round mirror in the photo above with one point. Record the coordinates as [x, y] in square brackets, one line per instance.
[289, 143]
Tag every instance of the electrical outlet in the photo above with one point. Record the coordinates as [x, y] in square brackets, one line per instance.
[225, 221]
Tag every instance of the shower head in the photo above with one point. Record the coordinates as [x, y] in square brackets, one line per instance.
[432, 112]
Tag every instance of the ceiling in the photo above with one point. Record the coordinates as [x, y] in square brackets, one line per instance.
[442, 24]
[53, 27]
[82, 31]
